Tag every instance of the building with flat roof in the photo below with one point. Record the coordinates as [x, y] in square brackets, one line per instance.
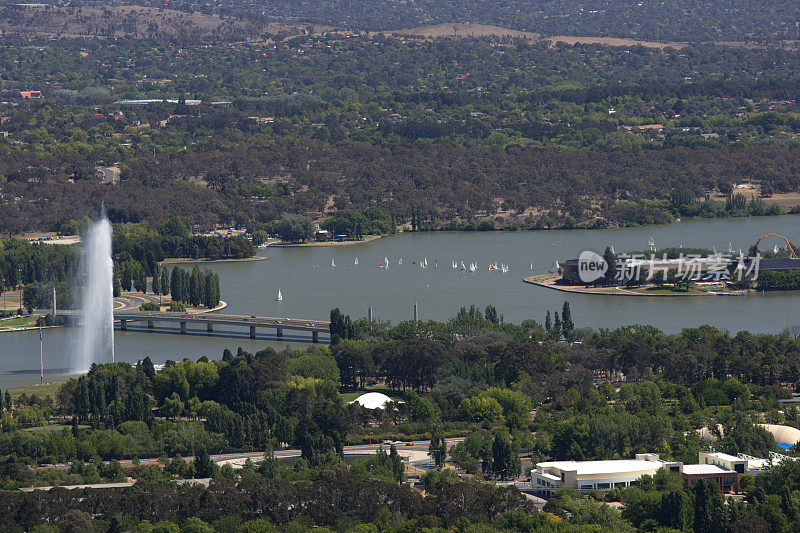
[586, 476]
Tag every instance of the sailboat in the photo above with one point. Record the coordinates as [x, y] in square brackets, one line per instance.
[730, 247]
[651, 243]
[472, 267]
[462, 266]
[279, 298]
[333, 263]
[356, 261]
[532, 263]
[425, 262]
[455, 266]
[612, 249]
[386, 262]
[435, 263]
[775, 250]
[400, 261]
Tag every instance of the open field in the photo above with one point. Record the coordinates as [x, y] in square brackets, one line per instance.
[17, 322]
[9, 300]
[484, 30]
[40, 390]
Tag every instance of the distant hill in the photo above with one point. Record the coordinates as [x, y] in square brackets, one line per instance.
[135, 22]
[667, 20]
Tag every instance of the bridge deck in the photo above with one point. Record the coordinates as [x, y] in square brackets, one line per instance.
[300, 324]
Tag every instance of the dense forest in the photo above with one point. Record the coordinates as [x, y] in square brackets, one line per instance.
[461, 132]
[512, 391]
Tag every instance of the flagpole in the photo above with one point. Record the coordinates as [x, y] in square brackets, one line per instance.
[41, 357]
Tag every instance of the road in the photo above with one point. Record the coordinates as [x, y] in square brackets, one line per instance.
[110, 174]
[414, 453]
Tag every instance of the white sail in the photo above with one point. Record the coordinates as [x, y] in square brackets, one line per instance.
[455, 266]
[730, 247]
[333, 263]
[532, 263]
[400, 261]
[425, 262]
[775, 250]
[612, 249]
[356, 261]
[714, 249]
[463, 267]
[279, 298]
[472, 267]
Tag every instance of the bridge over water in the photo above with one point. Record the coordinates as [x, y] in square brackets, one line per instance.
[212, 320]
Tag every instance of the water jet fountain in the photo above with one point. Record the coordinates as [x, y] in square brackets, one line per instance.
[96, 332]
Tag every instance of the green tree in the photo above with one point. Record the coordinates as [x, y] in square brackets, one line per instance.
[195, 525]
[204, 467]
[710, 515]
[165, 282]
[566, 320]
[491, 314]
[396, 464]
[295, 228]
[438, 447]
[173, 406]
[556, 331]
[505, 461]
[174, 227]
[611, 273]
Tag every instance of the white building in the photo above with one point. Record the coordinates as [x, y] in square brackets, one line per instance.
[586, 476]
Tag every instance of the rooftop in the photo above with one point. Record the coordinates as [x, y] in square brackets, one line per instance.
[706, 469]
[585, 468]
[724, 456]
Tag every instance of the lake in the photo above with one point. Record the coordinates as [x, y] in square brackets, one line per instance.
[311, 287]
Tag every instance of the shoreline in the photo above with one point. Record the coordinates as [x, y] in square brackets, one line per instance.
[547, 281]
[187, 260]
[222, 305]
[368, 238]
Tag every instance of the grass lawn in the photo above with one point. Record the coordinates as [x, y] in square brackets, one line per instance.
[39, 390]
[51, 427]
[18, 321]
[669, 291]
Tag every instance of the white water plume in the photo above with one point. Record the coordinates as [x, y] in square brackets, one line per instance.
[96, 330]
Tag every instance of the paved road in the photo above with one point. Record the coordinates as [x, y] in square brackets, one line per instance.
[109, 174]
[416, 454]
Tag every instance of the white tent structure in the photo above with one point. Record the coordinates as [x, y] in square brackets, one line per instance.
[372, 400]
